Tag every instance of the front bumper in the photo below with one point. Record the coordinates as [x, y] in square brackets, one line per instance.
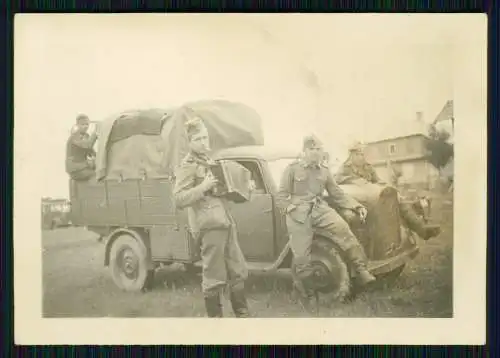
[392, 263]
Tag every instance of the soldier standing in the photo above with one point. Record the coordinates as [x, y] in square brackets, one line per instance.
[300, 197]
[356, 167]
[223, 261]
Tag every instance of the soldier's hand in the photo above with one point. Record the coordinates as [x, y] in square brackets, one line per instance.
[290, 208]
[209, 182]
[362, 212]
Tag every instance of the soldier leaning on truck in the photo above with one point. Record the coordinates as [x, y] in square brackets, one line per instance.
[222, 258]
[300, 197]
[356, 167]
[80, 154]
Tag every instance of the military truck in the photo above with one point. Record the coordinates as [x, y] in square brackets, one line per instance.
[55, 213]
[144, 230]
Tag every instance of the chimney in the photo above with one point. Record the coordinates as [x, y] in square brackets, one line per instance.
[420, 116]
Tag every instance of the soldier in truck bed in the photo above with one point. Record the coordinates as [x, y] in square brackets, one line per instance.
[80, 154]
[356, 167]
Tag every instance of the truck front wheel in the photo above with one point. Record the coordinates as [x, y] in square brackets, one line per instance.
[128, 264]
[330, 273]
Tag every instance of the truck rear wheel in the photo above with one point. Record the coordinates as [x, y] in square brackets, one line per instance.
[330, 273]
[128, 264]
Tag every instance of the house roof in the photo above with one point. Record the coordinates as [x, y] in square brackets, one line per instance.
[397, 137]
[400, 129]
[408, 128]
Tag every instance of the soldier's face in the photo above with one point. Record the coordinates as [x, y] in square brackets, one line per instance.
[313, 154]
[83, 125]
[358, 158]
[200, 142]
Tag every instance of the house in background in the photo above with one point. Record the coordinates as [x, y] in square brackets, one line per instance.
[404, 151]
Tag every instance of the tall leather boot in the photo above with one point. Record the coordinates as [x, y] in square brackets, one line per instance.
[302, 290]
[417, 224]
[239, 303]
[213, 305]
[358, 260]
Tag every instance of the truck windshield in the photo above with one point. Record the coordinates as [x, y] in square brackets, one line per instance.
[277, 167]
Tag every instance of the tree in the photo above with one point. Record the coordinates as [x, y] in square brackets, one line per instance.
[440, 151]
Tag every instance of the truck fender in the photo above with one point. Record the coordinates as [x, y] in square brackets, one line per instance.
[141, 237]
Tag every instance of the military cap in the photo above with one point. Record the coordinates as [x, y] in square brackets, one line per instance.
[82, 117]
[311, 141]
[194, 126]
[356, 147]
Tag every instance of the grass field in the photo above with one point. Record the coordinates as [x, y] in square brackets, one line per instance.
[76, 284]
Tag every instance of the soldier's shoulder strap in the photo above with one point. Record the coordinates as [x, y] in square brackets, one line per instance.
[295, 164]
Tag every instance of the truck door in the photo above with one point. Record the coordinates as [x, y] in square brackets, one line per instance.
[254, 219]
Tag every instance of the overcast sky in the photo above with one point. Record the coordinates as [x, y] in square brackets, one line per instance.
[344, 77]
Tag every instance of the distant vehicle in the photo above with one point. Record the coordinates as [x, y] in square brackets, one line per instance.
[55, 213]
[144, 230]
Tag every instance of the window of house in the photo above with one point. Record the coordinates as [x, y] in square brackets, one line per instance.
[392, 148]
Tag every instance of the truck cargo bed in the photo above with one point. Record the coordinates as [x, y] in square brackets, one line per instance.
[132, 202]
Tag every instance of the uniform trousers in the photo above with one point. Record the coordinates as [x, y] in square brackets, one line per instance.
[301, 235]
[223, 261]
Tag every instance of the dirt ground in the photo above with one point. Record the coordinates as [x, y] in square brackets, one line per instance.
[76, 284]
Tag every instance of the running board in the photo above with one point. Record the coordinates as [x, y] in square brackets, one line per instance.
[263, 267]
[258, 267]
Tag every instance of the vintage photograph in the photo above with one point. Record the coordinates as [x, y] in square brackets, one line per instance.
[246, 166]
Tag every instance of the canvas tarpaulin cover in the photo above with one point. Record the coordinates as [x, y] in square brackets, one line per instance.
[122, 133]
[152, 142]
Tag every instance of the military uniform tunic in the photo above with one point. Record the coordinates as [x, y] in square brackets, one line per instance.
[300, 196]
[78, 150]
[348, 172]
[222, 258]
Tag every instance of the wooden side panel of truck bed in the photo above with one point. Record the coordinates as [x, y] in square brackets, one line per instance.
[127, 203]
[133, 203]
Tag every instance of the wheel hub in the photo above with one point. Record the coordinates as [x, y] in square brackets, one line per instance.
[129, 263]
[321, 275]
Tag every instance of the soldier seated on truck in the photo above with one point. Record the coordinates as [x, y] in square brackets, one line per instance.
[356, 167]
[80, 155]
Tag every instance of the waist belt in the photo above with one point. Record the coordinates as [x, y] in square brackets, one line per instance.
[313, 202]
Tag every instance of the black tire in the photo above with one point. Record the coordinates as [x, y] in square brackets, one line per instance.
[128, 264]
[388, 279]
[331, 274]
